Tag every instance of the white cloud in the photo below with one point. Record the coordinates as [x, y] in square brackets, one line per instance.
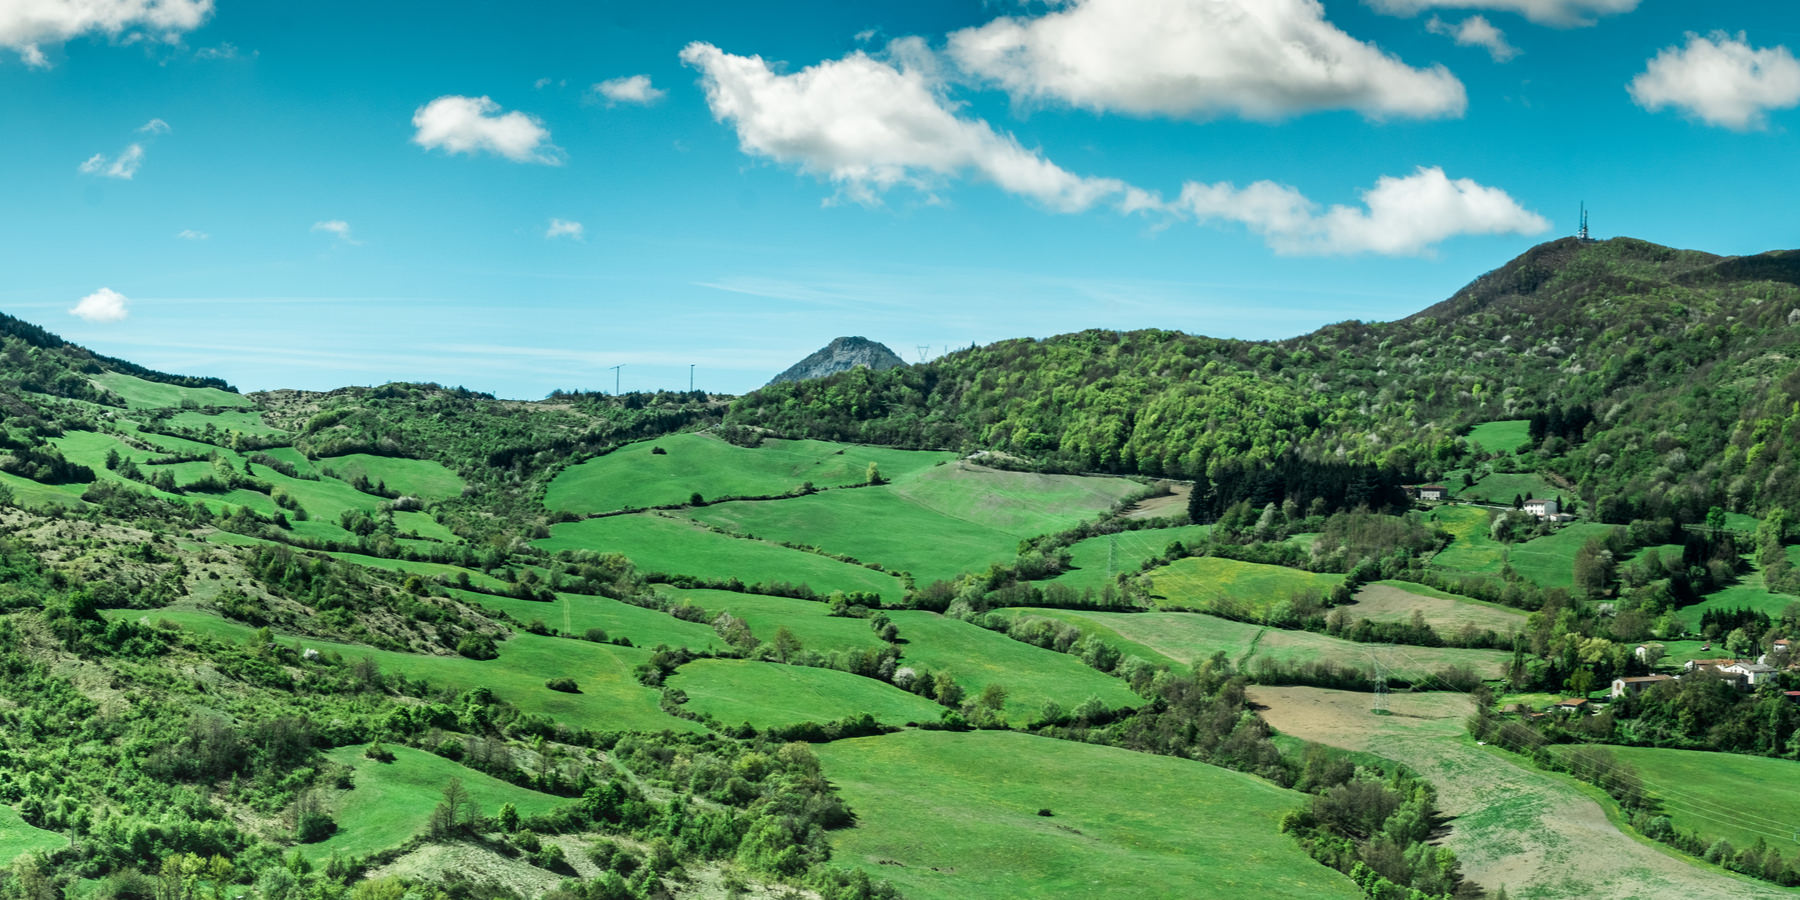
[189, 234]
[471, 124]
[1720, 80]
[124, 165]
[226, 50]
[153, 127]
[1261, 59]
[27, 25]
[337, 227]
[1399, 216]
[564, 228]
[868, 125]
[631, 89]
[1557, 13]
[103, 305]
[1475, 31]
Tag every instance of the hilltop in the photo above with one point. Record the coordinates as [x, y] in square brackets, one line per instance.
[841, 355]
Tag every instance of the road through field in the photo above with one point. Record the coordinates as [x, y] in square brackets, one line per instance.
[1533, 833]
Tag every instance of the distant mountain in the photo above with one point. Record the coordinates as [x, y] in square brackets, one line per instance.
[842, 355]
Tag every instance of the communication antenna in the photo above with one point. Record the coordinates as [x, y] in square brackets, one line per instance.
[1583, 233]
[616, 378]
[690, 378]
[923, 349]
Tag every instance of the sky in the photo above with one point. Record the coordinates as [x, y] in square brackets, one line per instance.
[520, 197]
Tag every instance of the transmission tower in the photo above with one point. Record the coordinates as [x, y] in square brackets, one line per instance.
[616, 378]
[923, 349]
[1112, 556]
[1582, 235]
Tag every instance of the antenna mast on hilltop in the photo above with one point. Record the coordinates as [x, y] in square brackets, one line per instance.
[923, 349]
[616, 378]
[1582, 235]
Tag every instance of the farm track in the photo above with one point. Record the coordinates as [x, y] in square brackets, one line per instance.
[1536, 834]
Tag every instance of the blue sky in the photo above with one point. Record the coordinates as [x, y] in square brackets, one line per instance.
[517, 197]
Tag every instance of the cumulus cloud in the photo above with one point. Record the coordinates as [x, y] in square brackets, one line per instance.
[1720, 80]
[631, 89]
[123, 166]
[337, 227]
[470, 125]
[1197, 59]
[103, 305]
[27, 26]
[1556, 13]
[154, 126]
[1475, 31]
[564, 228]
[189, 234]
[868, 125]
[1399, 216]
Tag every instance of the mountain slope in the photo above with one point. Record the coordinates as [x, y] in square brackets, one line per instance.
[841, 355]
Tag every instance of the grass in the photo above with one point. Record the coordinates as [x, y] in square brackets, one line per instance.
[141, 394]
[806, 619]
[413, 477]
[954, 815]
[634, 476]
[1395, 601]
[1502, 487]
[576, 613]
[978, 657]
[769, 694]
[1503, 436]
[937, 525]
[1749, 592]
[17, 837]
[1706, 792]
[1549, 561]
[32, 495]
[610, 700]
[391, 802]
[248, 422]
[1212, 583]
[1472, 550]
[1095, 561]
[675, 546]
[422, 568]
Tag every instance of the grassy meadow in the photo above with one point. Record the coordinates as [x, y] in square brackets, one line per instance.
[770, 694]
[807, 620]
[955, 815]
[576, 613]
[392, 801]
[1705, 792]
[141, 394]
[420, 478]
[1094, 562]
[1503, 436]
[1502, 487]
[1396, 601]
[1213, 583]
[1750, 591]
[978, 657]
[17, 837]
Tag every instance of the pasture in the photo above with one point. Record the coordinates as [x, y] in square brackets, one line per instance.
[1472, 550]
[1750, 591]
[1706, 792]
[141, 394]
[1549, 561]
[807, 620]
[772, 695]
[1502, 487]
[636, 476]
[1396, 601]
[955, 815]
[936, 525]
[1503, 436]
[420, 478]
[1249, 589]
[17, 837]
[978, 657]
[1095, 561]
[576, 613]
[225, 422]
[675, 546]
[391, 802]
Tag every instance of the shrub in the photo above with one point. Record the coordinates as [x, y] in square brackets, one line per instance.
[379, 753]
[566, 685]
[477, 646]
[597, 635]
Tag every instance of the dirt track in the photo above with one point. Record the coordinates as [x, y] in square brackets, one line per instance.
[1533, 833]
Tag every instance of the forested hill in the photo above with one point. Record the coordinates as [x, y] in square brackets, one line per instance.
[1666, 378]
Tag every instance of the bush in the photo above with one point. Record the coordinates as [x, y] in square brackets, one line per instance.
[566, 685]
[597, 635]
[379, 753]
[477, 646]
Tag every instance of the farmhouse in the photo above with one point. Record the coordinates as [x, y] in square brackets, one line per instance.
[1572, 706]
[1753, 673]
[1622, 686]
[1545, 508]
[1432, 492]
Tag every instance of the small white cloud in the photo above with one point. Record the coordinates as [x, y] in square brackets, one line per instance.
[189, 234]
[1399, 217]
[1475, 31]
[337, 227]
[541, 83]
[154, 127]
[27, 25]
[564, 228]
[223, 51]
[457, 124]
[1720, 80]
[1555, 13]
[1198, 59]
[630, 89]
[103, 305]
[866, 35]
[124, 165]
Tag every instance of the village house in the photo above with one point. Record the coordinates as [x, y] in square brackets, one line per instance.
[1544, 508]
[1572, 706]
[1753, 673]
[1433, 492]
[1622, 686]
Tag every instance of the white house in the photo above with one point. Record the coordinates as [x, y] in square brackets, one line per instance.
[1634, 685]
[1752, 673]
[1543, 508]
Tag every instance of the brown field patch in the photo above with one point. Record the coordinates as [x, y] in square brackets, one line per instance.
[1382, 602]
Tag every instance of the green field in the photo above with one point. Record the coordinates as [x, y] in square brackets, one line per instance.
[1472, 550]
[769, 694]
[1095, 561]
[421, 478]
[1549, 561]
[808, 620]
[978, 657]
[17, 837]
[665, 544]
[576, 613]
[1396, 601]
[242, 421]
[610, 700]
[936, 525]
[141, 394]
[1707, 793]
[1184, 640]
[951, 815]
[1501, 488]
[1501, 437]
[1213, 583]
[1749, 592]
[391, 802]
[422, 568]
[634, 476]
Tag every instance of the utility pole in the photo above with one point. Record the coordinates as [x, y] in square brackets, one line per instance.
[616, 378]
[1381, 688]
[690, 378]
